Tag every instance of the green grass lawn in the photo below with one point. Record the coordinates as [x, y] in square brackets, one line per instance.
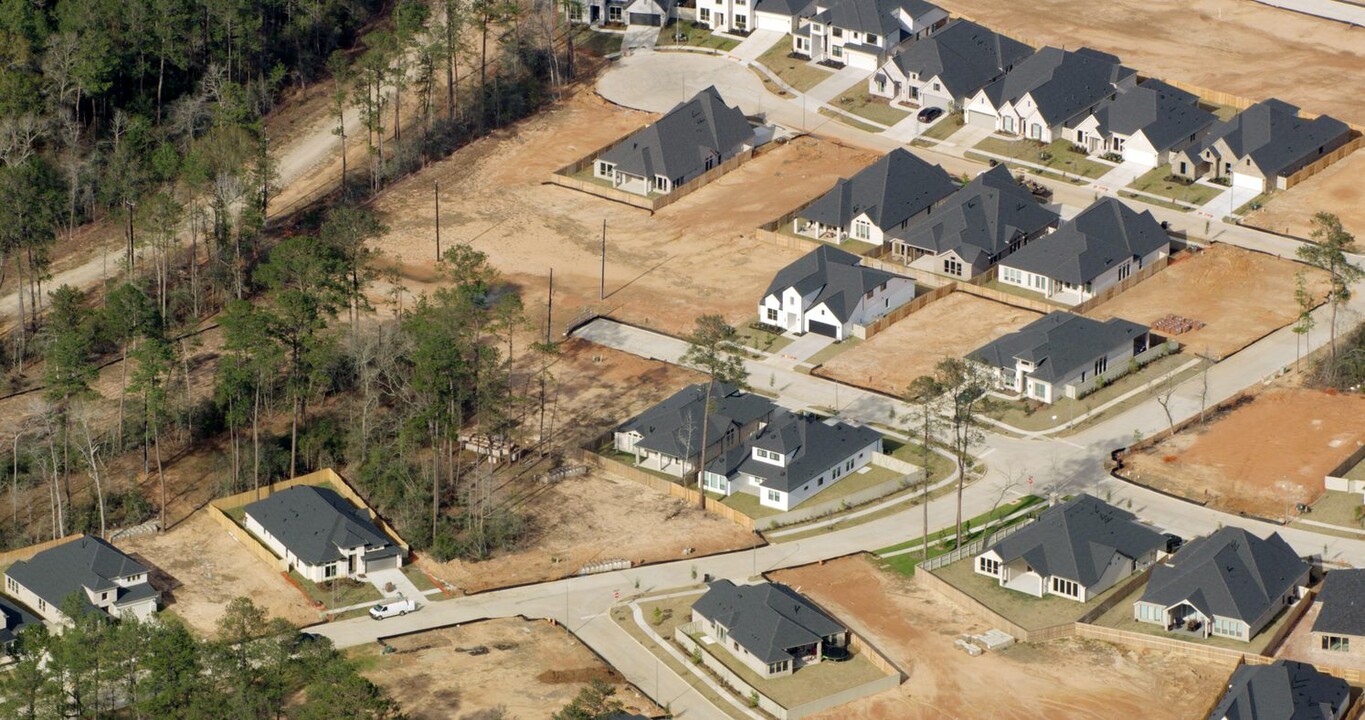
[418, 578]
[797, 72]
[995, 284]
[1017, 413]
[628, 459]
[1338, 508]
[1120, 617]
[1025, 610]
[829, 351]
[753, 337]
[1160, 181]
[939, 467]
[686, 32]
[1005, 509]
[1255, 203]
[1061, 155]
[338, 593]
[945, 127]
[745, 503]
[681, 613]
[859, 124]
[860, 102]
[598, 43]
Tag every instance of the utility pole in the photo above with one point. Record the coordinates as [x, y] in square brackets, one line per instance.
[437, 192]
[550, 307]
[602, 289]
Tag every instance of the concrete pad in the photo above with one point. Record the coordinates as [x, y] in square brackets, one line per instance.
[1121, 176]
[969, 136]
[756, 44]
[640, 37]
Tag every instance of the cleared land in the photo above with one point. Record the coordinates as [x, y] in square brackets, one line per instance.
[948, 327]
[1300, 645]
[532, 669]
[916, 628]
[201, 568]
[1338, 189]
[695, 256]
[1245, 48]
[1255, 458]
[1238, 294]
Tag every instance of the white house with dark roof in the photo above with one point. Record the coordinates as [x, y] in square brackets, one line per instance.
[690, 139]
[1075, 550]
[1047, 90]
[1064, 355]
[1283, 690]
[828, 292]
[1147, 124]
[864, 33]
[974, 228]
[1229, 584]
[88, 568]
[770, 628]
[621, 12]
[321, 534]
[879, 198]
[1339, 629]
[668, 436]
[792, 459]
[948, 67]
[1102, 246]
[1261, 146]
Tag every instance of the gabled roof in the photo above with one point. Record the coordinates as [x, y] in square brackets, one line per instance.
[678, 143]
[85, 563]
[788, 8]
[673, 427]
[1283, 690]
[1343, 603]
[316, 524]
[1062, 82]
[1102, 236]
[1164, 117]
[1058, 344]
[1231, 574]
[963, 55]
[872, 16]
[811, 446]
[1275, 137]
[834, 275]
[980, 220]
[1078, 539]
[767, 619]
[896, 187]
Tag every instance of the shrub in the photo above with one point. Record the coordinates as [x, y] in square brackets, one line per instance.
[1112, 157]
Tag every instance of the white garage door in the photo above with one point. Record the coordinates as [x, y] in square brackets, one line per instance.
[980, 119]
[1249, 182]
[1144, 157]
[769, 21]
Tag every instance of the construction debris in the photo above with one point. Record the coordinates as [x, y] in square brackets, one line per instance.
[1173, 324]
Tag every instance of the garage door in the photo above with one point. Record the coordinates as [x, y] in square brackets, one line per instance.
[1250, 182]
[645, 19]
[1142, 157]
[388, 563]
[825, 329]
[980, 119]
[769, 21]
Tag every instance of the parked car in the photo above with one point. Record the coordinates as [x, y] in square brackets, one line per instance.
[401, 606]
[929, 114]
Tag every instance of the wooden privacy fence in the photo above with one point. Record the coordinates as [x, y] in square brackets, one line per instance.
[1000, 296]
[247, 540]
[1322, 163]
[863, 332]
[1128, 282]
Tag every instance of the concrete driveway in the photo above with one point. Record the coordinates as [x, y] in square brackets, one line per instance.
[640, 37]
[656, 82]
[756, 44]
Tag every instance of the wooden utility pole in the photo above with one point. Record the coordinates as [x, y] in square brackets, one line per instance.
[602, 289]
[437, 192]
[550, 307]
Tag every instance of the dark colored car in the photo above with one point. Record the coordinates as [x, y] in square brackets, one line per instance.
[929, 114]
[834, 653]
[1173, 542]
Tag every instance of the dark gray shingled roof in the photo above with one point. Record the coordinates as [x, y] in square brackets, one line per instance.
[1231, 574]
[836, 274]
[767, 619]
[874, 16]
[13, 618]
[1283, 690]
[812, 445]
[1102, 236]
[980, 220]
[678, 143]
[315, 523]
[896, 187]
[675, 423]
[1062, 82]
[1058, 344]
[1078, 539]
[964, 55]
[86, 562]
[1275, 137]
[1343, 603]
[1164, 117]
[789, 8]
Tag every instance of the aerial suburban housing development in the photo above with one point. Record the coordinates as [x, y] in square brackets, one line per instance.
[696, 359]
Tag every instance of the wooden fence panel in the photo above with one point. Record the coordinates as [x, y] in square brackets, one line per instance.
[864, 332]
[1039, 306]
[1323, 162]
[247, 540]
[1128, 282]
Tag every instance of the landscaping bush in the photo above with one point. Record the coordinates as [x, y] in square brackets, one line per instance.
[1112, 157]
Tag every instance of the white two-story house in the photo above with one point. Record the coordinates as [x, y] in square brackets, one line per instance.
[828, 292]
[1047, 90]
[88, 570]
[864, 33]
[947, 68]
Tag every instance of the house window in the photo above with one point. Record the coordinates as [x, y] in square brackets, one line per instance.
[604, 168]
[772, 314]
[838, 32]
[11, 586]
[576, 12]
[1040, 282]
[952, 267]
[660, 183]
[871, 39]
[1036, 131]
[937, 87]
[1125, 271]
[848, 465]
[862, 230]
[774, 496]
[990, 566]
[777, 667]
[614, 13]
[881, 83]
[329, 571]
[704, 14]
[1066, 587]
[1011, 275]
[1008, 121]
[42, 605]
[1101, 365]
[838, 51]
[1336, 643]
[741, 21]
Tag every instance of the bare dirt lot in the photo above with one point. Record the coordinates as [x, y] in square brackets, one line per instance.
[532, 669]
[695, 256]
[1338, 189]
[948, 327]
[595, 517]
[1255, 458]
[1300, 646]
[1072, 678]
[1238, 294]
[1242, 47]
[204, 568]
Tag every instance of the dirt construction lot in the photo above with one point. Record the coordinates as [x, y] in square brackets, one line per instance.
[948, 327]
[696, 256]
[1239, 295]
[531, 669]
[1244, 48]
[1338, 189]
[204, 568]
[1072, 679]
[1260, 455]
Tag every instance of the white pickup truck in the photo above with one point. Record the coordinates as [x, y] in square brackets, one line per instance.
[401, 606]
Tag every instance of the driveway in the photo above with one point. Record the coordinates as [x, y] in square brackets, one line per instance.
[640, 37]
[402, 586]
[1121, 176]
[801, 348]
[756, 44]
[969, 136]
[1228, 201]
[832, 86]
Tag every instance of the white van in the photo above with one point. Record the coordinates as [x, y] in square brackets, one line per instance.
[401, 606]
